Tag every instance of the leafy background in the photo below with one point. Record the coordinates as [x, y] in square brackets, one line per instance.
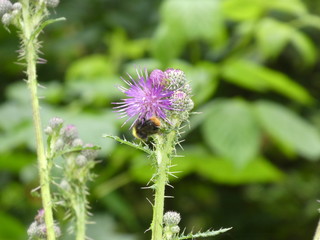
[251, 156]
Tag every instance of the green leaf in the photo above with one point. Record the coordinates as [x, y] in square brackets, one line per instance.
[241, 10]
[244, 74]
[289, 129]
[89, 69]
[272, 37]
[255, 77]
[223, 171]
[231, 130]
[305, 47]
[168, 43]
[204, 79]
[197, 19]
[296, 7]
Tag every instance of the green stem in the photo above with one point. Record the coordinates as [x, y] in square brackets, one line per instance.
[164, 147]
[31, 56]
[317, 233]
[81, 219]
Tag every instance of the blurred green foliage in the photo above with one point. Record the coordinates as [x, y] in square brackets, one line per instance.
[250, 154]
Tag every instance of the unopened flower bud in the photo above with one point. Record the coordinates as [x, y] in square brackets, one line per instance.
[15, 13]
[189, 104]
[55, 123]
[5, 7]
[90, 154]
[59, 144]
[77, 142]
[171, 218]
[33, 230]
[40, 216]
[175, 229]
[17, 6]
[64, 184]
[177, 78]
[69, 133]
[53, 3]
[48, 130]
[6, 19]
[81, 160]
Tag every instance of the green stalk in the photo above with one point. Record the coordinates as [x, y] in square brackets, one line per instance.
[317, 233]
[31, 56]
[81, 221]
[164, 147]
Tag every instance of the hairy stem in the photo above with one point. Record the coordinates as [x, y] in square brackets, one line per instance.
[164, 146]
[81, 220]
[31, 56]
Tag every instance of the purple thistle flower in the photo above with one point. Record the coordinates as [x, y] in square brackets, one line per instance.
[145, 98]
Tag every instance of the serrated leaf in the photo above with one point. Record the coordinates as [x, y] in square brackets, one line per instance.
[288, 128]
[231, 131]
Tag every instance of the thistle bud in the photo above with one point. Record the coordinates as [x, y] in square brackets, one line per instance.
[17, 6]
[55, 123]
[90, 154]
[38, 230]
[176, 78]
[171, 218]
[64, 184]
[5, 7]
[48, 130]
[59, 145]
[77, 142]
[69, 133]
[6, 19]
[81, 160]
[52, 3]
[175, 229]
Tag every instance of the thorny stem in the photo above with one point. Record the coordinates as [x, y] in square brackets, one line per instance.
[31, 56]
[164, 147]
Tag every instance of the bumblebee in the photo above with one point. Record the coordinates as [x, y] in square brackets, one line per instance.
[146, 127]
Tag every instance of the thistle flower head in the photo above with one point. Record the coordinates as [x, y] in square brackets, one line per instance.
[146, 97]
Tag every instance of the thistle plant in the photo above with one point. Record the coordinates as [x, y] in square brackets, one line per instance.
[75, 172]
[159, 106]
[30, 17]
